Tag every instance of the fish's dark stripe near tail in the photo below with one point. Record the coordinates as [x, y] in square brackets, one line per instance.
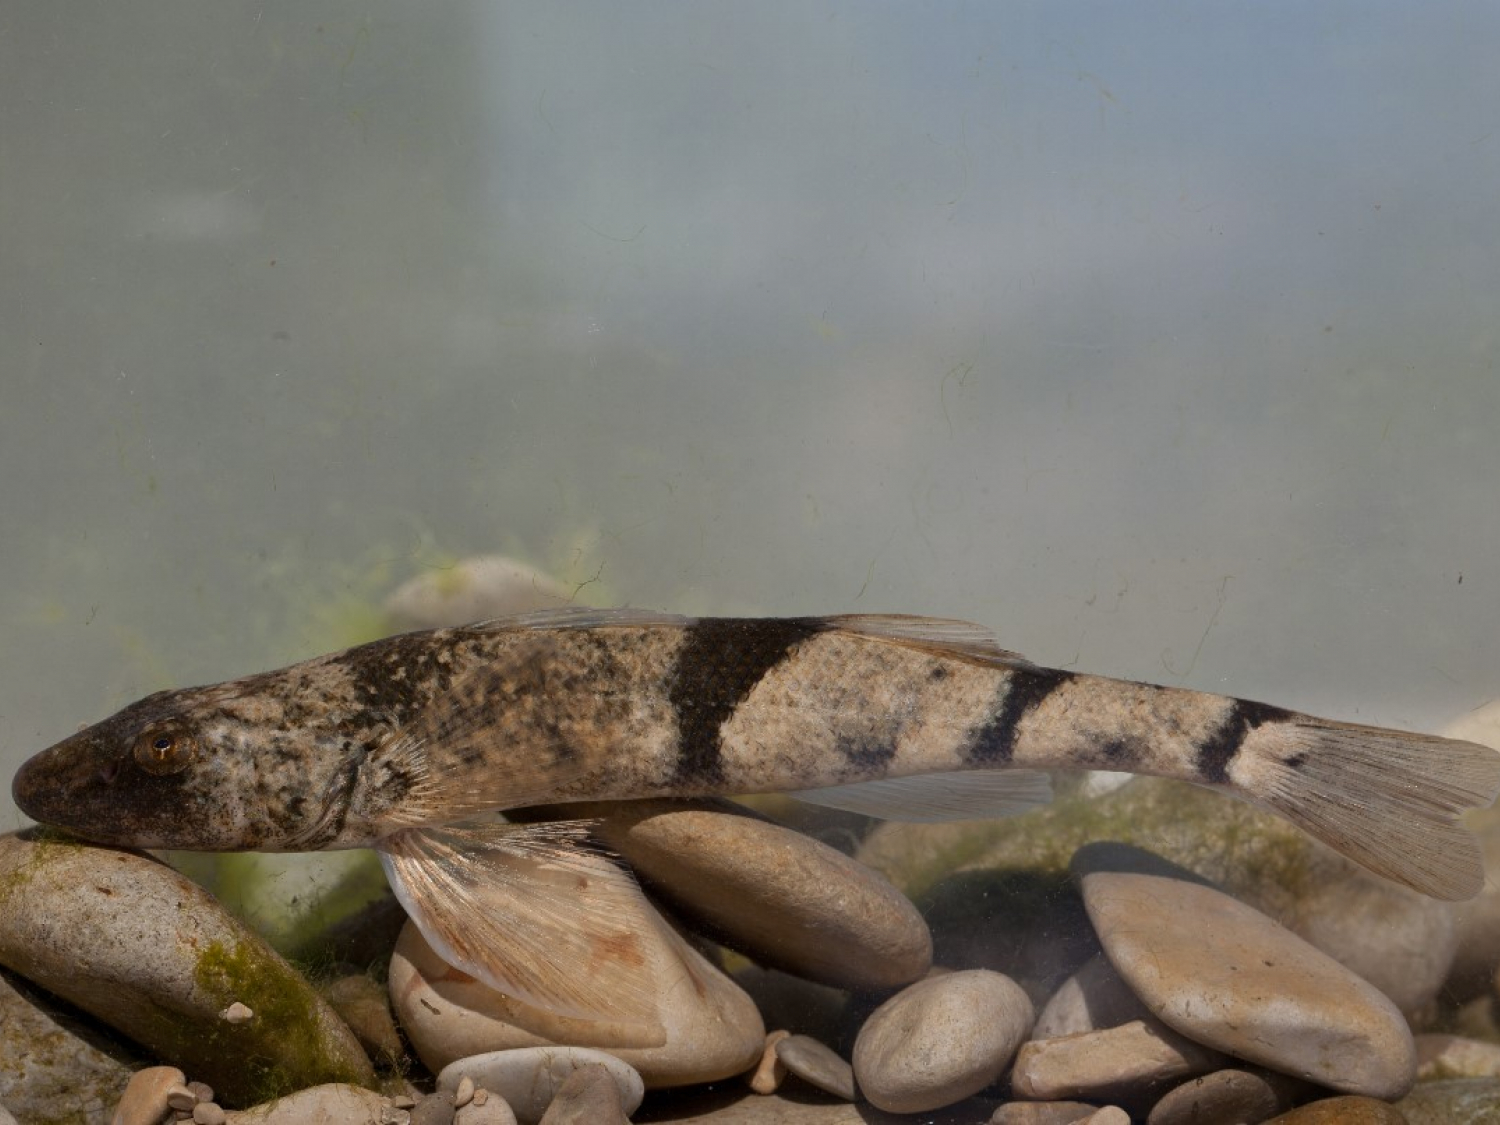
[722, 659]
[1215, 755]
[995, 741]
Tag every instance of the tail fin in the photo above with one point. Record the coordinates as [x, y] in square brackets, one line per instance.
[1387, 799]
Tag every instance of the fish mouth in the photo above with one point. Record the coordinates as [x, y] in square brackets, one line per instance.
[73, 785]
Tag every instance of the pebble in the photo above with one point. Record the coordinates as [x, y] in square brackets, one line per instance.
[1348, 1110]
[1224, 1095]
[1122, 1062]
[1092, 999]
[473, 589]
[712, 1028]
[53, 1067]
[208, 1113]
[588, 1096]
[818, 1065]
[1042, 1113]
[1453, 1056]
[169, 948]
[144, 1101]
[5, 1117]
[940, 1040]
[780, 897]
[365, 1006]
[1108, 1115]
[1204, 963]
[331, 1103]
[486, 1109]
[770, 1071]
[529, 1077]
[1453, 1101]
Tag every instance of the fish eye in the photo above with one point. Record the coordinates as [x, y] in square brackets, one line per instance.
[164, 750]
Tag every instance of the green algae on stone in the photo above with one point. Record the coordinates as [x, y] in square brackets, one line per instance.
[148, 952]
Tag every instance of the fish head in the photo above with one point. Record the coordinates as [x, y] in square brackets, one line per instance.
[204, 769]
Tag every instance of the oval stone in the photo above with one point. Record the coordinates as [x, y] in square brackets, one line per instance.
[780, 897]
[1224, 974]
[169, 960]
[940, 1040]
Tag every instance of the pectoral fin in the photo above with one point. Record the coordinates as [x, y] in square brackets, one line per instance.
[533, 912]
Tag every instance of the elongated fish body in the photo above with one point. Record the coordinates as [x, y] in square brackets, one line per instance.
[385, 744]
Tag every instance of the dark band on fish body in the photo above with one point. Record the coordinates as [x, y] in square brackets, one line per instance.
[718, 665]
[995, 742]
[1215, 755]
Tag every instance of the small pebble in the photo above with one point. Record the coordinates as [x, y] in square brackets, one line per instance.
[1453, 1056]
[465, 1092]
[208, 1113]
[1118, 1062]
[144, 1101]
[939, 1040]
[528, 1077]
[769, 1073]
[818, 1065]
[182, 1097]
[588, 1096]
[1453, 1101]
[203, 1090]
[237, 1013]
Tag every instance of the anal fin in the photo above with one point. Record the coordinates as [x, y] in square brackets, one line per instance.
[931, 797]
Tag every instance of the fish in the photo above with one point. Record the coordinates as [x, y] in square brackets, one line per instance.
[413, 744]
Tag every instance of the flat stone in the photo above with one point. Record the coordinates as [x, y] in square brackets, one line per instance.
[1347, 1110]
[144, 1101]
[1042, 1113]
[1254, 855]
[1092, 999]
[1453, 1101]
[940, 1040]
[53, 1062]
[331, 1103]
[818, 1065]
[530, 1077]
[1224, 974]
[1117, 1063]
[1224, 1095]
[712, 1029]
[588, 1096]
[170, 960]
[780, 897]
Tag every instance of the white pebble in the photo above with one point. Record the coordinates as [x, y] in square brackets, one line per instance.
[237, 1013]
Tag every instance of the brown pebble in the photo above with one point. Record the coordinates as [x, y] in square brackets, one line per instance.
[481, 1095]
[770, 1072]
[1347, 1110]
[817, 1064]
[465, 1092]
[204, 1091]
[208, 1113]
[144, 1101]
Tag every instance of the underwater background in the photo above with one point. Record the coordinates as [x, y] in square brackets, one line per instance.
[1159, 338]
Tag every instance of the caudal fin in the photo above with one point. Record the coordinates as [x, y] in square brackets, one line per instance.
[1387, 799]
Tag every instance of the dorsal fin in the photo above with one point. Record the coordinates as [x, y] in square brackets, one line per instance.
[941, 636]
[579, 617]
